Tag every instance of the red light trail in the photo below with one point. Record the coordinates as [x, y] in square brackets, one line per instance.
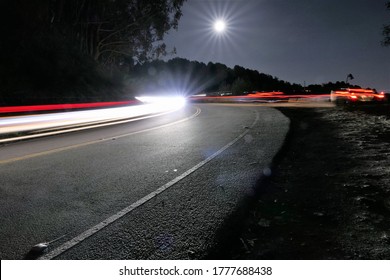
[68, 106]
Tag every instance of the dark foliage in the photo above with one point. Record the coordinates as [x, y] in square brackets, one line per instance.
[184, 76]
[65, 50]
[81, 50]
[328, 87]
[386, 30]
[180, 75]
[110, 31]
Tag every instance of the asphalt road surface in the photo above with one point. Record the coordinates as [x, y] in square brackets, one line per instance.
[159, 188]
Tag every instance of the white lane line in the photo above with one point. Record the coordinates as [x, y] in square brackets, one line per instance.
[88, 233]
[198, 111]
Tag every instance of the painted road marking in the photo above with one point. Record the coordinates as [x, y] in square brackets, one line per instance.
[88, 233]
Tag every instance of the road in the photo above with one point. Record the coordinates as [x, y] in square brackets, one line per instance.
[161, 188]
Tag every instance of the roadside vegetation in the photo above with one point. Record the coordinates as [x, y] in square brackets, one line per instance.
[191, 77]
[386, 30]
[59, 51]
[75, 50]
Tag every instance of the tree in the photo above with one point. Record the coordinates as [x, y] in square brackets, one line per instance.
[195, 77]
[386, 30]
[240, 86]
[110, 31]
[118, 30]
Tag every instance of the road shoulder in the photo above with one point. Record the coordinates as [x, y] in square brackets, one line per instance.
[329, 195]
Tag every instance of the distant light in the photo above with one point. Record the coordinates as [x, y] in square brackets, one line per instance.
[163, 102]
[219, 26]
[170, 100]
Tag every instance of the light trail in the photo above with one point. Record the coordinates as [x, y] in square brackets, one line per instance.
[44, 122]
[67, 106]
[261, 96]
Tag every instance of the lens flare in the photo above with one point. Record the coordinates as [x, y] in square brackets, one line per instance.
[218, 29]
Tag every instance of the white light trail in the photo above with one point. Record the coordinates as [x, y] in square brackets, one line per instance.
[152, 106]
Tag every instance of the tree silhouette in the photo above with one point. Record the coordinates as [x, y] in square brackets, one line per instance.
[109, 31]
[386, 30]
[52, 50]
[193, 77]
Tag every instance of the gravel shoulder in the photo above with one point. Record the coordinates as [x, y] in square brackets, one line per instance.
[329, 194]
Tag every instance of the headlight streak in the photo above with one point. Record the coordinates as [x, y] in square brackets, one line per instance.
[41, 122]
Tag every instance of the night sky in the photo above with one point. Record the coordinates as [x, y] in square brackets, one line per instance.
[299, 41]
